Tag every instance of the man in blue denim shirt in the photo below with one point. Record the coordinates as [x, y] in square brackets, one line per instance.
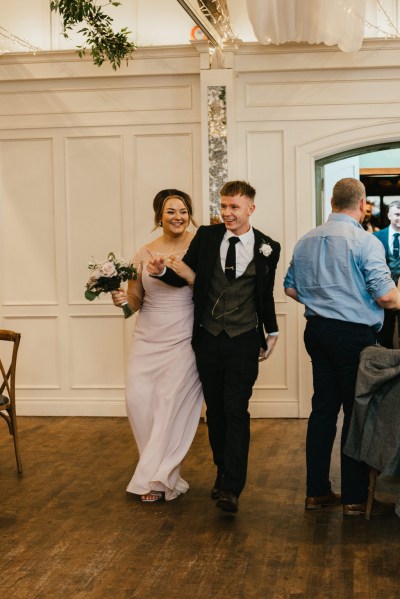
[339, 272]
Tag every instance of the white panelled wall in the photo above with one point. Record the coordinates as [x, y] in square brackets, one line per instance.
[84, 150]
[81, 158]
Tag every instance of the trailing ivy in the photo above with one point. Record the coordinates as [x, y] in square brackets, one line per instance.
[104, 43]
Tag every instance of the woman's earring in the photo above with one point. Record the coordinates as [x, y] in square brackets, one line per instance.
[160, 224]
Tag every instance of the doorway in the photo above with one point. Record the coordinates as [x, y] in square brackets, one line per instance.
[377, 166]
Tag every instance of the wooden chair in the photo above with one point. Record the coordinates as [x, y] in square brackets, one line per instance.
[373, 474]
[7, 388]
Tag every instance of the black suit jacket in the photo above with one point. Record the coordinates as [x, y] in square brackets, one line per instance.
[201, 256]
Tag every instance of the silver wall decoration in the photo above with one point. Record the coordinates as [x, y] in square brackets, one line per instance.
[217, 146]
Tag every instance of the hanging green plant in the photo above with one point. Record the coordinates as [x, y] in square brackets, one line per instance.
[104, 43]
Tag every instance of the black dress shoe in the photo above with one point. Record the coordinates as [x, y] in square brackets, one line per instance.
[228, 502]
[215, 493]
[217, 488]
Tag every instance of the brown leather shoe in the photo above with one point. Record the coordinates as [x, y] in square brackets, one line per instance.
[315, 503]
[379, 508]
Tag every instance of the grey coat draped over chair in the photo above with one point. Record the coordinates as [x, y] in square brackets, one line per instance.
[374, 435]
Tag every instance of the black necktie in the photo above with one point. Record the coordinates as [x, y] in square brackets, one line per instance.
[230, 262]
[396, 245]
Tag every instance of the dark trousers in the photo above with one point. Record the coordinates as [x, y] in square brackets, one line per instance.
[228, 368]
[334, 347]
[386, 334]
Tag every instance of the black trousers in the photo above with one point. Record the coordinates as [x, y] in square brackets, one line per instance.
[228, 368]
[334, 347]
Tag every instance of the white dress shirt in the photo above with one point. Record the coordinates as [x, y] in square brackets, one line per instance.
[391, 238]
[244, 250]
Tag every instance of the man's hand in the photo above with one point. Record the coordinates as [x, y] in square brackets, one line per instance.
[271, 342]
[181, 269]
[155, 266]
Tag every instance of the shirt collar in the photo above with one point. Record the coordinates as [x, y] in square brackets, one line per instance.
[392, 231]
[245, 238]
[344, 217]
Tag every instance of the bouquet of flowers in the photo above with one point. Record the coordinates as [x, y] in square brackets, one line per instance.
[107, 276]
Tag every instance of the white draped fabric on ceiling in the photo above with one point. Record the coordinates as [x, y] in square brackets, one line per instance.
[329, 22]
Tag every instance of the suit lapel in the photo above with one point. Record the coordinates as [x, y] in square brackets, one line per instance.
[213, 250]
[386, 243]
[258, 258]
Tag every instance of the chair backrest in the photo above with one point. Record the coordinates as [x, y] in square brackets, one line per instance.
[7, 368]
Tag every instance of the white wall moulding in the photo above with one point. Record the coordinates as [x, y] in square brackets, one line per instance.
[28, 221]
[78, 406]
[169, 60]
[265, 161]
[97, 352]
[274, 374]
[97, 99]
[303, 93]
[167, 158]
[106, 102]
[260, 408]
[253, 57]
[94, 188]
[39, 356]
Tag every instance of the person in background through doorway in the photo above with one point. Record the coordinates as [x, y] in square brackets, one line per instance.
[369, 222]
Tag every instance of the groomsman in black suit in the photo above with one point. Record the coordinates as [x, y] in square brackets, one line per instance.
[390, 238]
[234, 327]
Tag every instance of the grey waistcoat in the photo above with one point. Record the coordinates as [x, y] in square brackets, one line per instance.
[231, 305]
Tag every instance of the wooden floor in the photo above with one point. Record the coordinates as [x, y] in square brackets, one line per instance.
[69, 530]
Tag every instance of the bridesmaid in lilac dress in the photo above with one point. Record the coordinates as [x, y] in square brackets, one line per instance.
[163, 390]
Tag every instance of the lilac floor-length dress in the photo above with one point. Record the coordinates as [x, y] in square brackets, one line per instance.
[163, 390]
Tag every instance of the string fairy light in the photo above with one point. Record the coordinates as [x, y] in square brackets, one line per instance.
[379, 31]
[18, 41]
[389, 21]
[216, 11]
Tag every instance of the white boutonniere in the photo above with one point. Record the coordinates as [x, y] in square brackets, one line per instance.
[265, 249]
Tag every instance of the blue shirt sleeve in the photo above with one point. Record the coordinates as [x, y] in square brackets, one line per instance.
[289, 278]
[376, 272]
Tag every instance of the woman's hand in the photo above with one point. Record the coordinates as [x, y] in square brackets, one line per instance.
[119, 297]
[181, 269]
[156, 265]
